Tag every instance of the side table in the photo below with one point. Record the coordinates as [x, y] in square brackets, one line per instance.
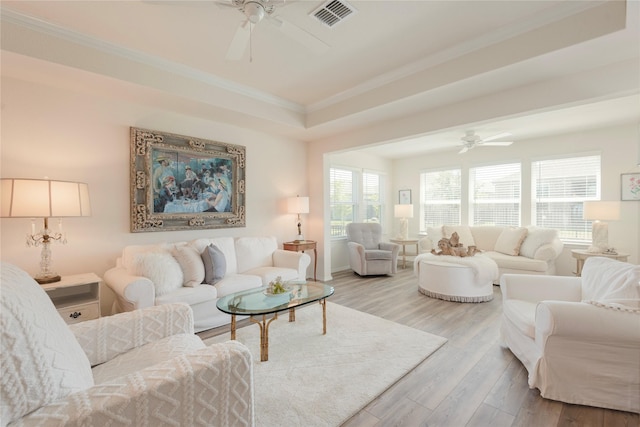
[76, 297]
[581, 255]
[404, 243]
[301, 246]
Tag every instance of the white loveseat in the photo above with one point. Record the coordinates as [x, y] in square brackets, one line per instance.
[578, 337]
[148, 275]
[522, 250]
[145, 368]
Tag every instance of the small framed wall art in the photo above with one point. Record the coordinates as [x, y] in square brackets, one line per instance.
[404, 197]
[630, 186]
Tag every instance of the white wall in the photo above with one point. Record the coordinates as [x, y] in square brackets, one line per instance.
[77, 135]
[618, 147]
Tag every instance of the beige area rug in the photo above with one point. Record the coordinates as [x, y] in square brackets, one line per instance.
[312, 379]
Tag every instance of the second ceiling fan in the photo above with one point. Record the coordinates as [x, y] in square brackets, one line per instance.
[471, 140]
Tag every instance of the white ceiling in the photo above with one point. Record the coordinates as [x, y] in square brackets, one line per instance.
[391, 59]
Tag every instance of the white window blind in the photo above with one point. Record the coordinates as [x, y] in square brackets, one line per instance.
[342, 200]
[372, 195]
[440, 194]
[494, 193]
[559, 186]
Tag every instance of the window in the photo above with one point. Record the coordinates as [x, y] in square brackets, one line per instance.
[355, 196]
[494, 195]
[440, 194]
[559, 186]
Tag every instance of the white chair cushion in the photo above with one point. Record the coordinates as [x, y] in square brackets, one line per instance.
[147, 355]
[51, 363]
[522, 315]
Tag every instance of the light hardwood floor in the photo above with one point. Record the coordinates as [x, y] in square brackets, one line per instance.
[470, 381]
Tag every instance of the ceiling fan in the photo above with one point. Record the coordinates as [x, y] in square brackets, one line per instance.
[257, 11]
[471, 140]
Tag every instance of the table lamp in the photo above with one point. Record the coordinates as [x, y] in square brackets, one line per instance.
[32, 198]
[298, 205]
[403, 212]
[598, 212]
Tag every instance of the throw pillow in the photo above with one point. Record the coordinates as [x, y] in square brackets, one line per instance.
[161, 268]
[215, 265]
[40, 357]
[536, 237]
[510, 240]
[464, 232]
[191, 265]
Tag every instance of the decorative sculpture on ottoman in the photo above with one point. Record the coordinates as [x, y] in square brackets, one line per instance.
[453, 247]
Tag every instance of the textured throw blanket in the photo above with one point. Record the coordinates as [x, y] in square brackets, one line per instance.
[484, 268]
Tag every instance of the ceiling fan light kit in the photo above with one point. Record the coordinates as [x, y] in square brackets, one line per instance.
[471, 140]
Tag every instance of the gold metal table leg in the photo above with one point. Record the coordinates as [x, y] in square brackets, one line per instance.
[233, 326]
[292, 314]
[264, 335]
[323, 303]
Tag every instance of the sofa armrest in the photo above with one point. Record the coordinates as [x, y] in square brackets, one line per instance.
[132, 292]
[211, 386]
[104, 338]
[389, 246]
[298, 261]
[534, 288]
[549, 251]
[585, 322]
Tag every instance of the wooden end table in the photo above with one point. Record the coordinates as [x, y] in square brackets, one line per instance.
[301, 246]
[581, 255]
[404, 243]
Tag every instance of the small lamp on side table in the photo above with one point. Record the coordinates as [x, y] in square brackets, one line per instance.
[298, 205]
[598, 212]
[33, 198]
[403, 212]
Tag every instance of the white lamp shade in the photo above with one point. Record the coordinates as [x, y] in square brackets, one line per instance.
[601, 211]
[403, 211]
[298, 205]
[43, 198]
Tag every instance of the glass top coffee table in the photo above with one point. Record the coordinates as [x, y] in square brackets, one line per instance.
[258, 302]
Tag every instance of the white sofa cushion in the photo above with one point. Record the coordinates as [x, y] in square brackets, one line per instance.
[189, 295]
[191, 265]
[226, 245]
[161, 268]
[466, 238]
[255, 252]
[51, 363]
[510, 240]
[536, 237]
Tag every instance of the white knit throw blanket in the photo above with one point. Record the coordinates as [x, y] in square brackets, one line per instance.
[484, 268]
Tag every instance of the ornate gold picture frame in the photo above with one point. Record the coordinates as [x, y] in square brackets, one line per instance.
[184, 183]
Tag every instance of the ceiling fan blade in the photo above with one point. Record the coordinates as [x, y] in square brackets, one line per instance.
[307, 39]
[240, 42]
[496, 143]
[494, 137]
[464, 150]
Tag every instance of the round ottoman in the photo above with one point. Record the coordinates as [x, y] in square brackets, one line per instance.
[451, 278]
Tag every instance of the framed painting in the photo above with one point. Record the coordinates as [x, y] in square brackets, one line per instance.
[184, 183]
[404, 197]
[630, 186]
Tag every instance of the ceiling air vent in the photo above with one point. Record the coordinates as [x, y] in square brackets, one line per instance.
[333, 12]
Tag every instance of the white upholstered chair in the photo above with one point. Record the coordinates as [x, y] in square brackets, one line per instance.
[142, 368]
[578, 337]
[368, 254]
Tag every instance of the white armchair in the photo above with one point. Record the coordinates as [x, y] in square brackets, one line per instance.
[368, 254]
[578, 337]
[142, 368]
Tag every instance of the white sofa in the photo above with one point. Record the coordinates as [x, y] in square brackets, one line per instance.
[521, 250]
[578, 337]
[148, 275]
[145, 368]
